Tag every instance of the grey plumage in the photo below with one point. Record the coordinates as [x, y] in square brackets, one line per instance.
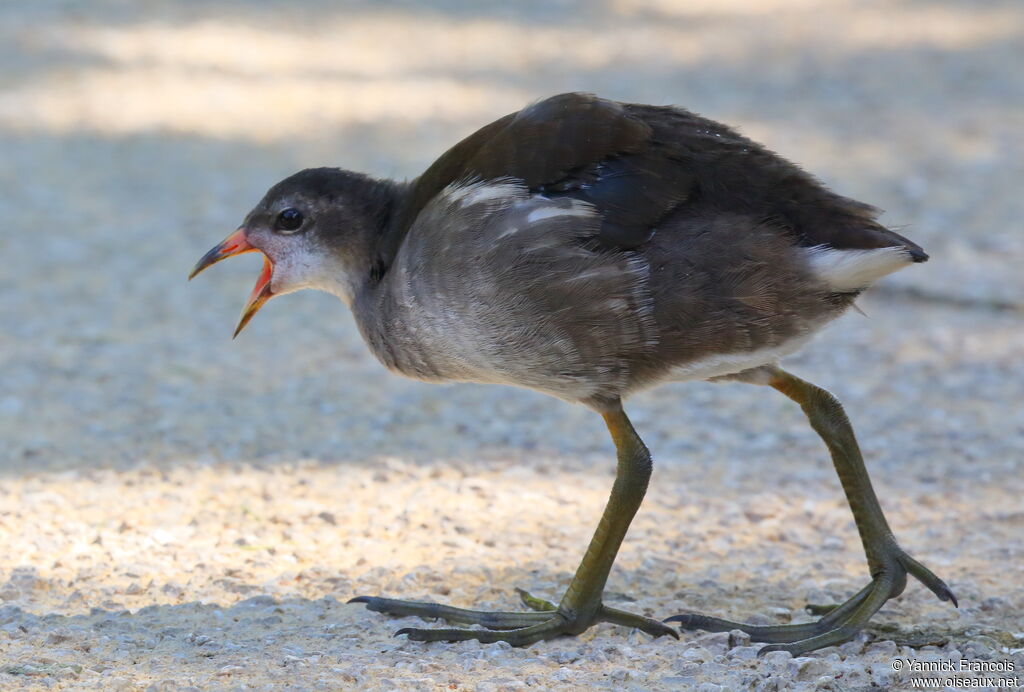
[495, 284]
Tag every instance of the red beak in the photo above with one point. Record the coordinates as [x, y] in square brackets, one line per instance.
[237, 244]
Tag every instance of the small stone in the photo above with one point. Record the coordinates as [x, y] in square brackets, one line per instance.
[619, 675]
[851, 648]
[696, 653]
[716, 643]
[497, 649]
[808, 668]
[777, 661]
[885, 649]
[738, 638]
[231, 670]
[766, 685]
[676, 680]
[883, 676]
[261, 600]
[982, 646]
[162, 537]
[994, 603]
[57, 636]
[744, 653]
[688, 670]
[563, 675]
[198, 639]
[855, 676]
[564, 657]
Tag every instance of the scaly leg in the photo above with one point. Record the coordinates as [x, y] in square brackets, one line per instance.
[581, 606]
[888, 564]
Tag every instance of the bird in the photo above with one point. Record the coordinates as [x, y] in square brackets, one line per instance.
[590, 249]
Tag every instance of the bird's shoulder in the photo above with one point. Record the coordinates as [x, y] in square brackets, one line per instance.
[571, 145]
[493, 276]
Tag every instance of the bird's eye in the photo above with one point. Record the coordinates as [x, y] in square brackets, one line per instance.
[289, 220]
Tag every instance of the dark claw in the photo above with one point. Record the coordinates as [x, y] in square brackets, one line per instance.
[667, 632]
[948, 595]
[372, 602]
[404, 630]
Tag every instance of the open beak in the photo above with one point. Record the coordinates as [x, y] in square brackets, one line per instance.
[236, 244]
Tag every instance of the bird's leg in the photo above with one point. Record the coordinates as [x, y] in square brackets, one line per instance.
[581, 606]
[888, 563]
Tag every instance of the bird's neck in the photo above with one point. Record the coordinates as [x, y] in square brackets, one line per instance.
[372, 302]
[363, 258]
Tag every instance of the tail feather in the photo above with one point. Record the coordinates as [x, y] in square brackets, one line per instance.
[847, 271]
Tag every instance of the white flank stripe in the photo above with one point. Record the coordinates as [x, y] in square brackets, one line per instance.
[548, 212]
[731, 363]
[475, 193]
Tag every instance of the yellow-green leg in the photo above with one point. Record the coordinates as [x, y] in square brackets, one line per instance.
[581, 606]
[888, 564]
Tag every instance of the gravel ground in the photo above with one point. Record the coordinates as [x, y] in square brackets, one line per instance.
[179, 510]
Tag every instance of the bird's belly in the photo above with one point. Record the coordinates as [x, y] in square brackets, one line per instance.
[529, 370]
[720, 364]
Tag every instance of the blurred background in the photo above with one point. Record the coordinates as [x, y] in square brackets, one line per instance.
[136, 135]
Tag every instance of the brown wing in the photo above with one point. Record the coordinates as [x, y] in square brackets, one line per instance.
[734, 174]
[640, 164]
[574, 145]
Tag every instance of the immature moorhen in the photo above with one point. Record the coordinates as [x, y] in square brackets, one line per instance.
[590, 249]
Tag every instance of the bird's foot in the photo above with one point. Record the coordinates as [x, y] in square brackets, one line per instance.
[839, 623]
[544, 621]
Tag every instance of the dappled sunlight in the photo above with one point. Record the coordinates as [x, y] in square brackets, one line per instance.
[212, 571]
[254, 79]
[864, 24]
[218, 105]
[221, 533]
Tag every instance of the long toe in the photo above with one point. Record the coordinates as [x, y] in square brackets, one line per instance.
[757, 633]
[518, 629]
[838, 635]
[436, 611]
[838, 625]
[644, 624]
[928, 578]
[553, 627]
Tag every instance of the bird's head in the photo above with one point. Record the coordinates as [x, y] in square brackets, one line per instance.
[316, 229]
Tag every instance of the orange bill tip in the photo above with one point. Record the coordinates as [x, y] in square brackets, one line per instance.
[234, 244]
[261, 293]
